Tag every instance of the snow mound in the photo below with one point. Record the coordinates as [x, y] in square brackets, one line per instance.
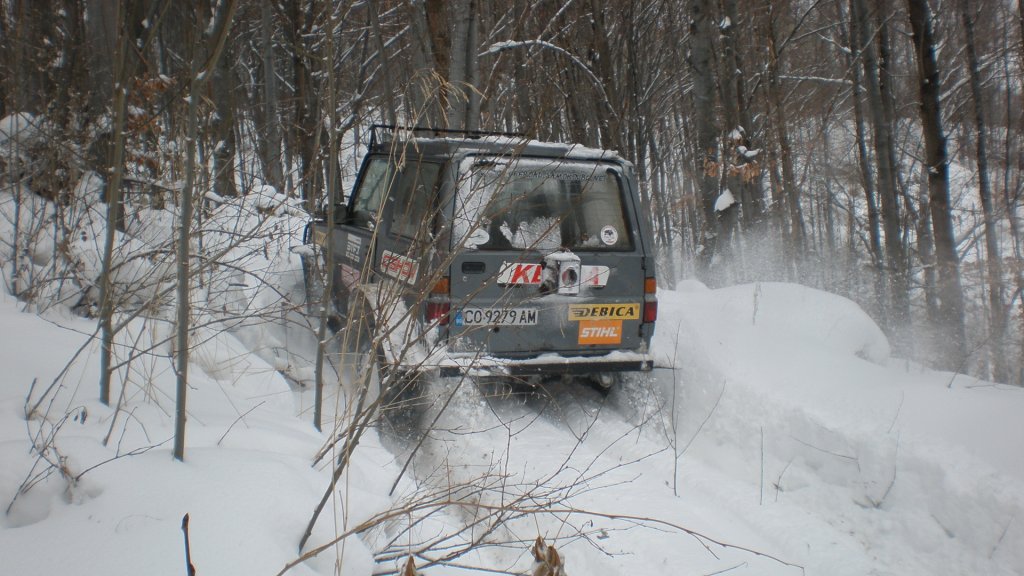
[767, 312]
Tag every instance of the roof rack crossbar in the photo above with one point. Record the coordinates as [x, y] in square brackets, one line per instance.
[394, 128]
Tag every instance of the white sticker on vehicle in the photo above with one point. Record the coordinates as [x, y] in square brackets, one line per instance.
[519, 273]
[399, 266]
[523, 274]
[609, 235]
[478, 237]
[594, 276]
[353, 247]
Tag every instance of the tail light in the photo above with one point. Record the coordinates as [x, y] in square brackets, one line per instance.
[439, 302]
[650, 299]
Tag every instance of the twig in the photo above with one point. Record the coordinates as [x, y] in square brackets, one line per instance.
[1001, 537]
[705, 540]
[135, 452]
[706, 418]
[761, 496]
[836, 454]
[778, 481]
[729, 569]
[190, 569]
[903, 396]
[240, 417]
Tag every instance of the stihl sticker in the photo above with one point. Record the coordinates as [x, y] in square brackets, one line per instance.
[604, 312]
[530, 274]
[600, 332]
[399, 266]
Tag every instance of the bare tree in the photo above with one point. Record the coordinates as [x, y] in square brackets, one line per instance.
[121, 76]
[204, 61]
[951, 306]
[708, 162]
[996, 291]
[886, 185]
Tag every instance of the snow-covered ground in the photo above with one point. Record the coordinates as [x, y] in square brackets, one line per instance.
[784, 441]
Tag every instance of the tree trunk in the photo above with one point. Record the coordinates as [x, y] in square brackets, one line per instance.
[996, 291]
[390, 109]
[863, 156]
[951, 306]
[440, 41]
[223, 126]
[880, 307]
[113, 198]
[611, 131]
[702, 30]
[332, 186]
[306, 126]
[183, 274]
[926, 250]
[790, 191]
[198, 77]
[101, 22]
[464, 107]
[898, 316]
[737, 120]
[271, 143]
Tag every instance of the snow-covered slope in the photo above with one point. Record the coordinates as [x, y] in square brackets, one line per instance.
[785, 431]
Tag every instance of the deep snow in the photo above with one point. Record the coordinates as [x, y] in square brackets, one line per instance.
[785, 430]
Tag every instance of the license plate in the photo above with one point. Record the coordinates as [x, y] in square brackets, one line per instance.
[496, 317]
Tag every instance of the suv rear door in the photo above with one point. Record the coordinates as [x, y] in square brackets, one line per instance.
[516, 221]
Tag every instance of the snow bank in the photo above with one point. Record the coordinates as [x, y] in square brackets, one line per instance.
[791, 390]
[785, 428]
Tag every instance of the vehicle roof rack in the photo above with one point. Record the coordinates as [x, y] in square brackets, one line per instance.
[384, 133]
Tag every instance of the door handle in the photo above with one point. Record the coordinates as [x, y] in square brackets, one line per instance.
[473, 267]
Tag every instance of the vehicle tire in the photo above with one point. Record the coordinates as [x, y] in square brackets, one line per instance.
[397, 389]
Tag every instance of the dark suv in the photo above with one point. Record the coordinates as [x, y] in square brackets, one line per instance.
[489, 254]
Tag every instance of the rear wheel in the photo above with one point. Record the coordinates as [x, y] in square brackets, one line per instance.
[397, 390]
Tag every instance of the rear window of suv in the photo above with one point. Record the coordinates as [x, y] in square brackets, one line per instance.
[541, 204]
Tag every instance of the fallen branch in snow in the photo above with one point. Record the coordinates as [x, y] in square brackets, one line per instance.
[1001, 537]
[778, 481]
[525, 507]
[190, 569]
[240, 417]
[829, 452]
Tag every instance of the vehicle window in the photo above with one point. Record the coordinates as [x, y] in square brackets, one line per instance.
[409, 189]
[544, 205]
[377, 179]
[413, 194]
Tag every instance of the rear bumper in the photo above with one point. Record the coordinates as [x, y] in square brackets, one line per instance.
[546, 364]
